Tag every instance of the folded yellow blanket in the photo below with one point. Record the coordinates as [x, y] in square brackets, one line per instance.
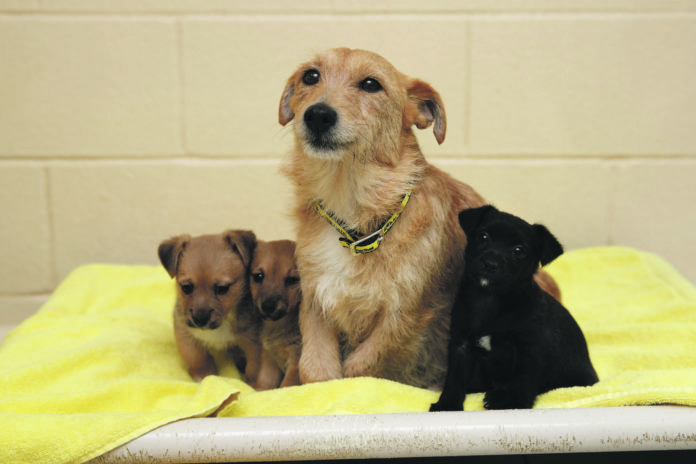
[97, 366]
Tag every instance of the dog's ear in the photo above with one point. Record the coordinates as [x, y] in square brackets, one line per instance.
[170, 251]
[285, 113]
[551, 248]
[470, 218]
[242, 242]
[428, 108]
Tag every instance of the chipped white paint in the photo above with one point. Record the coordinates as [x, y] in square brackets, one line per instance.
[414, 435]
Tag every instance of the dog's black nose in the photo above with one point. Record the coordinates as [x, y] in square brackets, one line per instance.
[320, 117]
[200, 317]
[273, 308]
[490, 264]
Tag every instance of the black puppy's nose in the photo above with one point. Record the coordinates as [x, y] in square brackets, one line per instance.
[320, 117]
[200, 317]
[490, 264]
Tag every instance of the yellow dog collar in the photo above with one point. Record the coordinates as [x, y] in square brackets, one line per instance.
[368, 243]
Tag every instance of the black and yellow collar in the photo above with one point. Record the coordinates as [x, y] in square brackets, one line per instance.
[369, 242]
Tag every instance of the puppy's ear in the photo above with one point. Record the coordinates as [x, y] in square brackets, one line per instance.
[285, 113]
[425, 107]
[242, 242]
[470, 218]
[170, 251]
[551, 248]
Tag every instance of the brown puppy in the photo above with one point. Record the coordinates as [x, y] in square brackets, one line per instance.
[213, 312]
[275, 290]
[384, 313]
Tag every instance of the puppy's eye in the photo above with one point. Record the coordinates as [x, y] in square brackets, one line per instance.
[370, 85]
[291, 280]
[258, 277]
[311, 77]
[484, 236]
[187, 288]
[519, 252]
[221, 289]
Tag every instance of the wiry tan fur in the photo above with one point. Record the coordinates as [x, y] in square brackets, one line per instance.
[386, 313]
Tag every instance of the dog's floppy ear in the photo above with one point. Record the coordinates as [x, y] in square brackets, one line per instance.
[170, 251]
[551, 248]
[242, 242]
[428, 108]
[285, 113]
[470, 218]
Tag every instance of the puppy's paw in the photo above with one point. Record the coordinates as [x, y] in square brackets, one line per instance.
[199, 373]
[497, 399]
[505, 399]
[446, 406]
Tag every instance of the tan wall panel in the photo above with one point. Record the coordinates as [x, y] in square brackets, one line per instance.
[615, 85]
[654, 211]
[14, 309]
[120, 213]
[25, 238]
[342, 6]
[88, 87]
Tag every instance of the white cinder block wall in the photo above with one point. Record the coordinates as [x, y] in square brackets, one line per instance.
[123, 123]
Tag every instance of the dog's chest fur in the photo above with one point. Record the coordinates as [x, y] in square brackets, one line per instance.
[351, 290]
[218, 339]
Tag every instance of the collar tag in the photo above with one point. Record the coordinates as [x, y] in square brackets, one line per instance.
[368, 243]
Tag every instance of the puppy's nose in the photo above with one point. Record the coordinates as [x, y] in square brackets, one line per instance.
[269, 305]
[200, 317]
[490, 264]
[320, 117]
[273, 308]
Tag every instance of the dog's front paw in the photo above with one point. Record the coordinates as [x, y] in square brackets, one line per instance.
[355, 366]
[310, 372]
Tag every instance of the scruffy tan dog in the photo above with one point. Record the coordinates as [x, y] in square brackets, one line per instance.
[214, 311]
[377, 306]
[275, 290]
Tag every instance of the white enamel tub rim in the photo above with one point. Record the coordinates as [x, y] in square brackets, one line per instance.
[640, 428]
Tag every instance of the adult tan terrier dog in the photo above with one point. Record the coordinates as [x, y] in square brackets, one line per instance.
[379, 246]
[275, 290]
[214, 312]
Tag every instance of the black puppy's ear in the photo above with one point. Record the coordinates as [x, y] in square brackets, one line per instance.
[551, 248]
[170, 251]
[470, 218]
[242, 242]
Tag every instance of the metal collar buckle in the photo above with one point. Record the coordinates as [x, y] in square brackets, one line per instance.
[373, 240]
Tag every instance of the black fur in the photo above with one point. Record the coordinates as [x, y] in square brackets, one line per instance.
[508, 337]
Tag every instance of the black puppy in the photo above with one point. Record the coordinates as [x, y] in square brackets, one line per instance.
[508, 337]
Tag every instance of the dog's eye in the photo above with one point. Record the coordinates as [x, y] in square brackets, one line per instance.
[519, 252]
[370, 85]
[187, 288]
[258, 277]
[291, 280]
[221, 289]
[484, 236]
[311, 77]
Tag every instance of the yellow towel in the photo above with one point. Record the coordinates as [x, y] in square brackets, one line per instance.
[97, 366]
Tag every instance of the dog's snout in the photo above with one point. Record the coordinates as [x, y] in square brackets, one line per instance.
[200, 317]
[273, 308]
[320, 117]
[490, 263]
